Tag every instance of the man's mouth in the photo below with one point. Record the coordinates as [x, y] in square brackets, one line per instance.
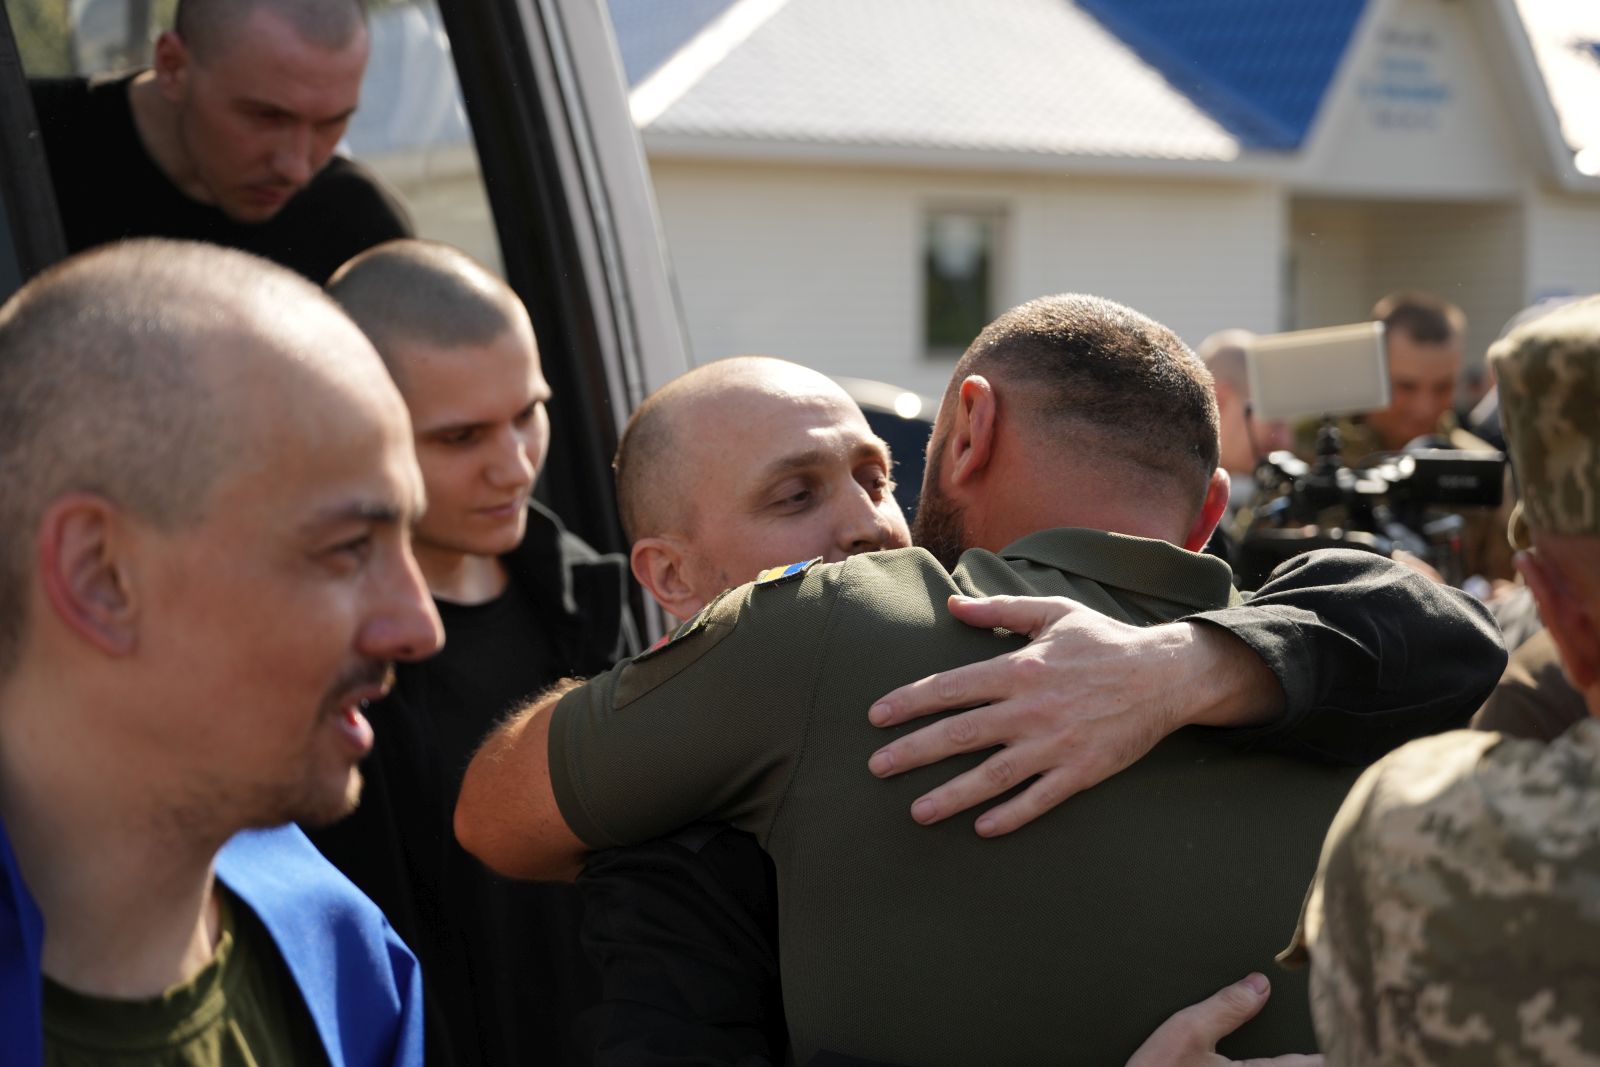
[350, 712]
[506, 510]
[269, 195]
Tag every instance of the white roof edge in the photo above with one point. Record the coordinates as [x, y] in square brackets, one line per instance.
[1513, 35]
[1248, 167]
[668, 83]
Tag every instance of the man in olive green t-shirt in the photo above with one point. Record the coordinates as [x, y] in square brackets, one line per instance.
[1074, 454]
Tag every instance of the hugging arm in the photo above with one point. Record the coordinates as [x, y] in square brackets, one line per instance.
[1340, 656]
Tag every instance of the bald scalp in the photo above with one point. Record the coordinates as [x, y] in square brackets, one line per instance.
[1096, 382]
[417, 292]
[130, 373]
[209, 27]
[652, 494]
[1223, 353]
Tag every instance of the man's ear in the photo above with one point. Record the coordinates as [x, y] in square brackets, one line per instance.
[972, 433]
[659, 563]
[1571, 627]
[84, 567]
[1211, 512]
[171, 66]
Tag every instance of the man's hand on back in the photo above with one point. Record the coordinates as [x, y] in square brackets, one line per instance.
[1086, 698]
[1189, 1038]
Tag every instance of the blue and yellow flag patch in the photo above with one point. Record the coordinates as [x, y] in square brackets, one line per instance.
[773, 575]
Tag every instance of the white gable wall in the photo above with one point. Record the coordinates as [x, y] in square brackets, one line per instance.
[1418, 109]
[1563, 245]
[822, 265]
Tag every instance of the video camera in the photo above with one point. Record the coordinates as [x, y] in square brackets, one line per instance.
[1395, 501]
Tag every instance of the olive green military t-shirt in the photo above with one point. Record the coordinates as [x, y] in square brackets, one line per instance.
[242, 1010]
[1068, 941]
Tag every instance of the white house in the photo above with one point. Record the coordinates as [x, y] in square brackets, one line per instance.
[856, 184]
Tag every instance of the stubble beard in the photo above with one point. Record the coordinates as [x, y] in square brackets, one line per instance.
[940, 523]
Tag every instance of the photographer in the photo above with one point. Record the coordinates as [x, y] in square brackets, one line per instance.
[1402, 479]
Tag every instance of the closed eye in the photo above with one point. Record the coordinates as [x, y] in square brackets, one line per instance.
[460, 437]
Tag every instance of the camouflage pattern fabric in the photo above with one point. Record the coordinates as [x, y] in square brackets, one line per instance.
[1455, 916]
[1549, 377]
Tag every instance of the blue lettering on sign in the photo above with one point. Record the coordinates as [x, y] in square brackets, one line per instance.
[1405, 92]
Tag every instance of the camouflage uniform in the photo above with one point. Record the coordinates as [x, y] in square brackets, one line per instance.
[1455, 918]
[1549, 374]
[1455, 914]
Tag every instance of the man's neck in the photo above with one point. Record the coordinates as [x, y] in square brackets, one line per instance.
[461, 577]
[155, 118]
[126, 890]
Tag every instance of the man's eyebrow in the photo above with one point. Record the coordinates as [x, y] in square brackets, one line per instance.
[452, 427]
[370, 511]
[876, 446]
[251, 103]
[870, 448]
[794, 461]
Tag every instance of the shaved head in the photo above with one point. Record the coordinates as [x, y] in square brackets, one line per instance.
[137, 373]
[414, 292]
[1096, 379]
[654, 484]
[207, 27]
[745, 464]
[1223, 353]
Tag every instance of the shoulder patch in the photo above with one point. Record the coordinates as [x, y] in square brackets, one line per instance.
[774, 575]
[684, 631]
[672, 654]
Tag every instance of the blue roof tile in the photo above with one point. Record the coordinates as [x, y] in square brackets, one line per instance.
[1260, 67]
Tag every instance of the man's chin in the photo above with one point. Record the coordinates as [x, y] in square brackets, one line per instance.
[331, 805]
[254, 209]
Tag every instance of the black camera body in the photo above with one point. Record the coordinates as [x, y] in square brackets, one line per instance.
[1404, 500]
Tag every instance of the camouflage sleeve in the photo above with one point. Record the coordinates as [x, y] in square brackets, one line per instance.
[1452, 919]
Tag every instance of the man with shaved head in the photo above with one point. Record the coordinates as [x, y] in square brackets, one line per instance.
[1243, 438]
[228, 138]
[205, 577]
[743, 464]
[524, 603]
[1076, 453]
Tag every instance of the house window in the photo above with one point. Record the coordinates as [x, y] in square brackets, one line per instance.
[959, 251]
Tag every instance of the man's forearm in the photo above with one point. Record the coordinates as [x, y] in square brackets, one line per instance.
[1231, 684]
[506, 814]
[1378, 653]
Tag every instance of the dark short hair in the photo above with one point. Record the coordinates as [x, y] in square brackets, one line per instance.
[205, 25]
[413, 291]
[1423, 317]
[1103, 379]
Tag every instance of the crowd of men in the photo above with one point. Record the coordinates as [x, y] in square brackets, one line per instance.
[272, 578]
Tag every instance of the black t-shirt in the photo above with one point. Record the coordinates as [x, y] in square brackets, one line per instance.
[108, 188]
[503, 970]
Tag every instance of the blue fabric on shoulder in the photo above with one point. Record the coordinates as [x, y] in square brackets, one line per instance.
[21, 941]
[361, 983]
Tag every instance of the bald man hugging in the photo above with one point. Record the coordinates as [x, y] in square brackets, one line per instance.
[752, 463]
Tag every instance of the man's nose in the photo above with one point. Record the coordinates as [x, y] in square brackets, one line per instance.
[512, 467]
[863, 527]
[406, 624]
[292, 161]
